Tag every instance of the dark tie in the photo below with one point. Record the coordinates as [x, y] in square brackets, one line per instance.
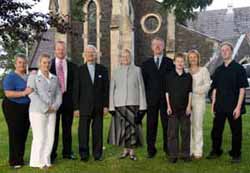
[157, 62]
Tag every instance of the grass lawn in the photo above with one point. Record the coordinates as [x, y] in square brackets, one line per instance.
[159, 164]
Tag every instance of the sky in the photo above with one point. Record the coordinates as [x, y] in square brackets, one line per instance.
[217, 4]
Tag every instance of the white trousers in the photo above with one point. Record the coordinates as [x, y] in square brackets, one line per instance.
[43, 129]
[198, 110]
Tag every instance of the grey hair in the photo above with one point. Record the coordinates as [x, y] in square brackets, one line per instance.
[89, 46]
[20, 55]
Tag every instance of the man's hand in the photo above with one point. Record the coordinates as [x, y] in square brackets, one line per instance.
[76, 113]
[51, 110]
[236, 112]
[105, 111]
[188, 111]
[169, 111]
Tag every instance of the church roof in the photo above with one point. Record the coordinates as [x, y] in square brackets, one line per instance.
[222, 24]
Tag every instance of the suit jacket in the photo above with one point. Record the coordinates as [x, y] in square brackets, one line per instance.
[127, 88]
[67, 102]
[44, 93]
[155, 79]
[89, 96]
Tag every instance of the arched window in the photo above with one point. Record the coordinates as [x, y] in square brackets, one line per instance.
[92, 23]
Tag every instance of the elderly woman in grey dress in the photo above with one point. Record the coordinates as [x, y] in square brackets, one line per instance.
[128, 103]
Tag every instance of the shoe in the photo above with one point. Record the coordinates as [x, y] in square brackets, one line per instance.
[16, 166]
[172, 160]
[151, 155]
[196, 157]
[186, 159]
[85, 158]
[123, 155]
[70, 157]
[236, 159]
[214, 155]
[98, 159]
[132, 157]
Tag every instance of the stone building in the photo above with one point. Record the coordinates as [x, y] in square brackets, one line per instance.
[112, 25]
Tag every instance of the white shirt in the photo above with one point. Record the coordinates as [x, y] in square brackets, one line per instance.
[39, 73]
[160, 59]
[65, 69]
[91, 68]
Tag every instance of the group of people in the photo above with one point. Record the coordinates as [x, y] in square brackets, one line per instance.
[161, 86]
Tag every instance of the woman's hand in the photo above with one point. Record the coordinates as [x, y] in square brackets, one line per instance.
[27, 91]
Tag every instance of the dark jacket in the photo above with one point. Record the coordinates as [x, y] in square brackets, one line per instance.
[67, 101]
[155, 79]
[89, 96]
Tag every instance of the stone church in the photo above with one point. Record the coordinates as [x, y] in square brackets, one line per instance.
[112, 25]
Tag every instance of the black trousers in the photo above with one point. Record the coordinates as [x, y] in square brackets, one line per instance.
[152, 126]
[96, 122]
[17, 118]
[179, 121]
[217, 132]
[67, 119]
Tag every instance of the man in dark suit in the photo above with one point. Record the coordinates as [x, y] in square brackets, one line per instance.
[154, 71]
[91, 99]
[66, 73]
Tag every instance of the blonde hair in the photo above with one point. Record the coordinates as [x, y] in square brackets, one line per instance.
[196, 52]
[228, 44]
[42, 56]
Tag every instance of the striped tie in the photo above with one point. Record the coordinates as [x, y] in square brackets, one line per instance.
[61, 76]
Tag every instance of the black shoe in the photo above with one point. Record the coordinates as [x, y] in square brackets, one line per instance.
[173, 160]
[151, 155]
[123, 155]
[236, 159]
[214, 155]
[98, 158]
[187, 159]
[70, 157]
[53, 158]
[85, 158]
[132, 157]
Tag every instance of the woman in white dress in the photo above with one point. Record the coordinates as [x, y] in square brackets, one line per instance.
[44, 102]
[201, 85]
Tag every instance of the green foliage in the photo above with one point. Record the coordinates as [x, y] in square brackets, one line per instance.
[184, 9]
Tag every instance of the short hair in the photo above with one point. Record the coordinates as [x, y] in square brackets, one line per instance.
[159, 39]
[89, 46]
[227, 43]
[196, 52]
[60, 42]
[43, 55]
[179, 55]
[20, 55]
[128, 51]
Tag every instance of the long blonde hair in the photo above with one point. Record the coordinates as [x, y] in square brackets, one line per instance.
[196, 52]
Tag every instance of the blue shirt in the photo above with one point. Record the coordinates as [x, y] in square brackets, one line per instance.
[14, 82]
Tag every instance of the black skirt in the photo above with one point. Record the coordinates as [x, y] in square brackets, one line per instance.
[123, 130]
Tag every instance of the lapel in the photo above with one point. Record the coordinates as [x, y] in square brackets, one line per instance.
[88, 74]
[97, 70]
[162, 63]
[53, 66]
[68, 72]
[155, 69]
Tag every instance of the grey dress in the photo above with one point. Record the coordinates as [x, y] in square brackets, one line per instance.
[127, 97]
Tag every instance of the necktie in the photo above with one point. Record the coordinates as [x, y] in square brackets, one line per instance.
[61, 76]
[157, 62]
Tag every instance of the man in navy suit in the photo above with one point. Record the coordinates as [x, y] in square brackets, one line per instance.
[66, 72]
[154, 71]
[91, 101]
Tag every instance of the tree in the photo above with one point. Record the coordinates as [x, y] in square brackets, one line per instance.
[184, 9]
[20, 27]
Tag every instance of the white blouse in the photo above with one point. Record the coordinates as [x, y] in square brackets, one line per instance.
[201, 82]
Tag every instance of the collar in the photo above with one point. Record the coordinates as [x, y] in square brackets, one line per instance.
[183, 73]
[232, 61]
[63, 60]
[160, 57]
[39, 73]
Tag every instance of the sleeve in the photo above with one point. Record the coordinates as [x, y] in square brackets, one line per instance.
[58, 96]
[243, 82]
[76, 89]
[214, 80]
[190, 86]
[167, 84]
[106, 88]
[34, 96]
[144, 74]
[206, 82]
[111, 92]
[8, 83]
[142, 95]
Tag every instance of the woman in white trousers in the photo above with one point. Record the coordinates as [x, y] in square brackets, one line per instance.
[45, 100]
[201, 85]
